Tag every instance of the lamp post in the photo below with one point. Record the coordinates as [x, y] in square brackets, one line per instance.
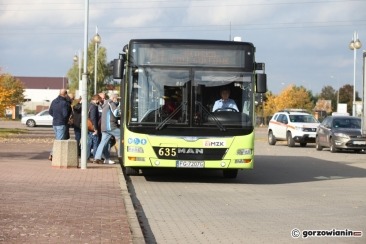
[97, 40]
[77, 58]
[84, 92]
[354, 45]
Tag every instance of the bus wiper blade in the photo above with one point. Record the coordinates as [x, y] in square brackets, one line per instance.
[217, 121]
[165, 121]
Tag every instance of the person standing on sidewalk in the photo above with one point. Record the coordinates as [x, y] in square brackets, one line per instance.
[70, 99]
[110, 127]
[76, 111]
[60, 110]
[93, 115]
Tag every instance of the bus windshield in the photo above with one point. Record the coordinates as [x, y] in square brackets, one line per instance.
[163, 97]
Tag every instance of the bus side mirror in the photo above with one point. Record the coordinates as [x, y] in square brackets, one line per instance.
[118, 68]
[261, 83]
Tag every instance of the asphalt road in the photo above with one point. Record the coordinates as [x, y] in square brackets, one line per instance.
[290, 190]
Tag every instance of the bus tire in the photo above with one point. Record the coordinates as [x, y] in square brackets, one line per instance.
[230, 173]
[132, 171]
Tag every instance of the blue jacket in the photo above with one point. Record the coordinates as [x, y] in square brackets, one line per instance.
[110, 115]
[60, 110]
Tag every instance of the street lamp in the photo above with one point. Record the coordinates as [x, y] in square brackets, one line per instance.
[354, 45]
[84, 92]
[77, 58]
[97, 40]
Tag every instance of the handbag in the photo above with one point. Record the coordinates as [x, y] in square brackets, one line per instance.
[90, 125]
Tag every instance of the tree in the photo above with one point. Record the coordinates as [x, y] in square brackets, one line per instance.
[269, 105]
[294, 97]
[328, 93]
[346, 96]
[11, 92]
[103, 74]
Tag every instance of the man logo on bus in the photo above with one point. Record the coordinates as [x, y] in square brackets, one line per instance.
[190, 151]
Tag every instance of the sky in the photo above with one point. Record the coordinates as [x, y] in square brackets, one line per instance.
[302, 42]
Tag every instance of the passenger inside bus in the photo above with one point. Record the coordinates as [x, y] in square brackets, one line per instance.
[225, 103]
[172, 100]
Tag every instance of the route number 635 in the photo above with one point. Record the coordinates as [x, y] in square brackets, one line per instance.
[167, 151]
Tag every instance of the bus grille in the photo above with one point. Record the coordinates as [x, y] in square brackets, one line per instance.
[190, 153]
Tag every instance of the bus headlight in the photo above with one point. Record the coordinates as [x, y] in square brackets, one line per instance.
[133, 149]
[244, 151]
[243, 161]
[136, 159]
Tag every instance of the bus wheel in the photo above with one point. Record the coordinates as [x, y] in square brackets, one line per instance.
[230, 173]
[132, 171]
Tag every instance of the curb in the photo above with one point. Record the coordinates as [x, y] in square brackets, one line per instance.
[135, 228]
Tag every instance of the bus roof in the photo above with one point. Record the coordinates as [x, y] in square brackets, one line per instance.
[191, 41]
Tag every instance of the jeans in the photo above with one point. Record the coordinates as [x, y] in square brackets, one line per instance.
[60, 131]
[104, 143]
[93, 142]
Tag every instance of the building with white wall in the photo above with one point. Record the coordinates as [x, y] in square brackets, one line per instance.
[40, 91]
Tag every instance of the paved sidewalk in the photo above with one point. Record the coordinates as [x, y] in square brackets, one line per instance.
[41, 204]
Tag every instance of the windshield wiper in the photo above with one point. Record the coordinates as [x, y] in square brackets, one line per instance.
[217, 121]
[165, 121]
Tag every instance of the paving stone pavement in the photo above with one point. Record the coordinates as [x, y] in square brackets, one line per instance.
[41, 204]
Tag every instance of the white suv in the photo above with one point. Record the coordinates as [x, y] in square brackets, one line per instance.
[292, 126]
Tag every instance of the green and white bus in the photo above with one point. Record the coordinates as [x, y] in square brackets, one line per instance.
[168, 89]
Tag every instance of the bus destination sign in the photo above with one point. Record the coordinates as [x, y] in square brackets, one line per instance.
[189, 56]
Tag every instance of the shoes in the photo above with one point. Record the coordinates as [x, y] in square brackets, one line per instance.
[108, 161]
[97, 161]
[50, 157]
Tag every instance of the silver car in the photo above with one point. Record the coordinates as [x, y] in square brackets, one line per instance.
[340, 132]
[42, 118]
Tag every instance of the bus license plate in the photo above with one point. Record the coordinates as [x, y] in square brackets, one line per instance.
[190, 164]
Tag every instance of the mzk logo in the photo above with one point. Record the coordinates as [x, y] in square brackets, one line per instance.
[214, 143]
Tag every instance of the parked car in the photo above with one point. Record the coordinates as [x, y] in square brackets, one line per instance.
[293, 126]
[340, 132]
[42, 118]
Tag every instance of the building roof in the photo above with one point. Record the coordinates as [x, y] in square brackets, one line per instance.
[44, 82]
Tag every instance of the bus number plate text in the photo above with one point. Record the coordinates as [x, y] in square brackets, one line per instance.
[190, 164]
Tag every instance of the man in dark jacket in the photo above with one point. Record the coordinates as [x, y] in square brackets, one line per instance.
[93, 115]
[76, 113]
[60, 110]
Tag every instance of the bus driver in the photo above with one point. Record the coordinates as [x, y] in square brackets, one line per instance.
[225, 102]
